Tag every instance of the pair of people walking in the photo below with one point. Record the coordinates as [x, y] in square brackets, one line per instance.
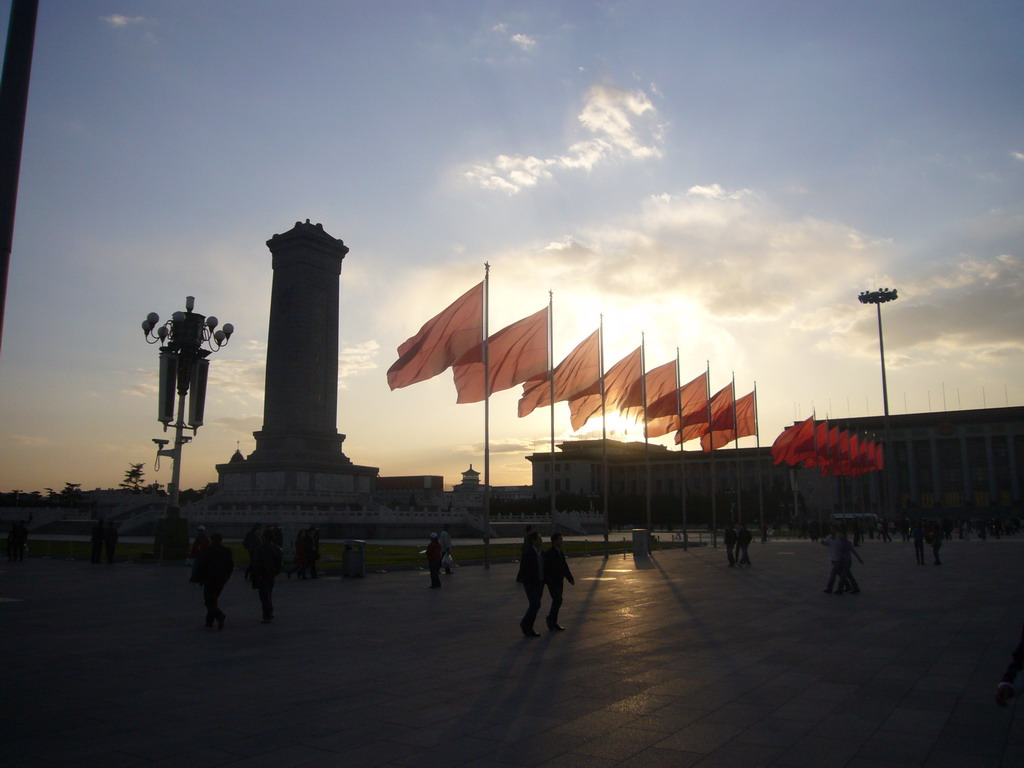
[537, 568]
[841, 553]
[737, 540]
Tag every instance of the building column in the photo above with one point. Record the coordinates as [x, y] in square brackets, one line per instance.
[965, 471]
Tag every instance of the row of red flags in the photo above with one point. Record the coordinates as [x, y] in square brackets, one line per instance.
[814, 444]
[518, 354]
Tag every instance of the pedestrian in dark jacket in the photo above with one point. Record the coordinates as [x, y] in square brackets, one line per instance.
[556, 572]
[1013, 682]
[743, 539]
[215, 566]
[110, 541]
[252, 538]
[265, 567]
[98, 535]
[730, 545]
[434, 555]
[531, 576]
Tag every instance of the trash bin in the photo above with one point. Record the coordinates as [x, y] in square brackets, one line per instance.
[641, 542]
[353, 559]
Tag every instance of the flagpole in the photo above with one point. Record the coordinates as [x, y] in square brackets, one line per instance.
[682, 463]
[647, 456]
[814, 424]
[714, 484]
[760, 482]
[736, 452]
[604, 435]
[551, 384]
[487, 421]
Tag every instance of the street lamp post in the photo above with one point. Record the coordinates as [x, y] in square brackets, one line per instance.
[186, 340]
[878, 298]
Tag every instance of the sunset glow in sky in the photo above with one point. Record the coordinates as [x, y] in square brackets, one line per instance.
[724, 177]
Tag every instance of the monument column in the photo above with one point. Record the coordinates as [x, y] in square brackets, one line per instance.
[300, 407]
[299, 448]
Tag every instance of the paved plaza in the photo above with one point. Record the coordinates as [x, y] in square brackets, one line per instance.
[674, 661]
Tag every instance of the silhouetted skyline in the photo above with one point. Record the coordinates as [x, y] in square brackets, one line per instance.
[725, 178]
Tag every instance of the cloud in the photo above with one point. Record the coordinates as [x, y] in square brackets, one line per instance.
[144, 383]
[1018, 155]
[619, 124]
[240, 425]
[118, 21]
[524, 41]
[357, 359]
[28, 441]
[732, 254]
[970, 311]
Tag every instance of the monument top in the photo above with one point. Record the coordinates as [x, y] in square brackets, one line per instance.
[306, 230]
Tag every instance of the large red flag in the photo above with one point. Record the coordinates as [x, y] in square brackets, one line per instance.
[578, 372]
[660, 382]
[792, 441]
[844, 454]
[662, 415]
[619, 381]
[441, 341]
[723, 416]
[819, 457]
[515, 353]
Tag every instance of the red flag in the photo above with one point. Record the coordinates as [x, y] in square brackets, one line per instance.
[515, 353]
[660, 382]
[878, 456]
[844, 454]
[662, 416]
[746, 418]
[618, 382]
[578, 372]
[819, 454]
[792, 441]
[441, 341]
[723, 416]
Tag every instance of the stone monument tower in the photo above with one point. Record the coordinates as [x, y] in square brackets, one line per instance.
[299, 447]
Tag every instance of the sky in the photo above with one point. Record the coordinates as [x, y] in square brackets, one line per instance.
[721, 177]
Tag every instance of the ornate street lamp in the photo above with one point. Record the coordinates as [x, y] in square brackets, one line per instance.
[878, 298]
[186, 340]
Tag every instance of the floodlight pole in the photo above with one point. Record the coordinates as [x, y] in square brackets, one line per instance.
[878, 298]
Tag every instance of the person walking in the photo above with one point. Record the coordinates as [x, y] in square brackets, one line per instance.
[918, 536]
[846, 581]
[266, 565]
[312, 549]
[433, 552]
[730, 544]
[215, 566]
[110, 541]
[1013, 681]
[199, 545]
[937, 535]
[445, 539]
[17, 542]
[835, 556]
[556, 573]
[301, 561]
[531, 576]
[249, 543]
[97, 542]
[743, 539]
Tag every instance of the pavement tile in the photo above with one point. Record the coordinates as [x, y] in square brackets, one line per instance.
[814, 751]
[699, 737]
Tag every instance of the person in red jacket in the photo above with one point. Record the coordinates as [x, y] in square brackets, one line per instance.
[434, 555]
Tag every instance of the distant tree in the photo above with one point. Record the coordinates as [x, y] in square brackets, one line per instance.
[133, 478]
[71, 496]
